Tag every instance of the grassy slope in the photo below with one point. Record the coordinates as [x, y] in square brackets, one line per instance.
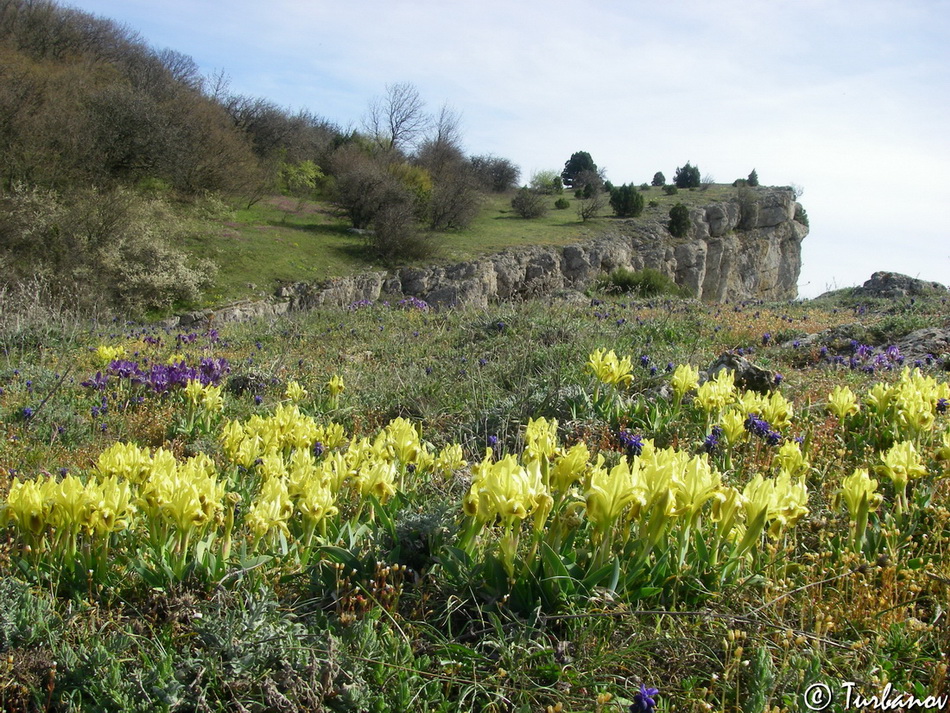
[281, 240]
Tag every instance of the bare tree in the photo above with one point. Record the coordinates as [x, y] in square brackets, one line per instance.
[397, 119]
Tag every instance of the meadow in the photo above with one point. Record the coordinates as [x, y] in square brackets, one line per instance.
[532, 507]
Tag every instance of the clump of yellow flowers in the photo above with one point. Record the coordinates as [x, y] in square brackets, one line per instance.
[611, 369]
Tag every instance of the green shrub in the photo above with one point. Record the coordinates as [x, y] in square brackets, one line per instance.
[687, 176]
[653, 203]
[647, 282]
[562, 204]
[670, 190]
[102, 247]
[529, 204]
[547, 182]
[396, 235]
[626, 201]
[679, 220]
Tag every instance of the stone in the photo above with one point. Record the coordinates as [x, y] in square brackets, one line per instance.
[929, 341]
[894, 284]
[748, 376]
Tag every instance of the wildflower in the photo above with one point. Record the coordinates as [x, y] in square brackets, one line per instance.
[842, 402]
[403, 438]
[27, 506]
[540, 439]
[715, 394]
[859, 493]
[644, 700]
[107, 354]
[631, 442]
[685, 379]
[506, 490]
[569, 468]
[378, 478]
[757, 426]
[335, 387]
[732, 426]
[295, 392]
[711, 442]
[610, 492]
[694, 484]
[271, 509]
[450, 459]
[943, 452]
[610, 369]
[791, 459]
[901, 464]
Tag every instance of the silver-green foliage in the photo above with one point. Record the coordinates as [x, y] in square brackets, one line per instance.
[105, 247]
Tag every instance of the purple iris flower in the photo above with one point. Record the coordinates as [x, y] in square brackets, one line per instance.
[644, 700]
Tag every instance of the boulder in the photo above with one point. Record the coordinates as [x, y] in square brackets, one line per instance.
[894, 284]
[748, 376]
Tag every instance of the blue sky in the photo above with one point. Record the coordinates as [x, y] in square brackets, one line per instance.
[848, 99]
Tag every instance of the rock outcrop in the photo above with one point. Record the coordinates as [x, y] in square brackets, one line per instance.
[732, 251]
[748, 248]
[894, 284]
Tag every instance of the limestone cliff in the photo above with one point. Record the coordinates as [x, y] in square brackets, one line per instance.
[747, 248]
[734, 250]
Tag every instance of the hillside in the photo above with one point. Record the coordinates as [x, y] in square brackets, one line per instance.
[129, 181]
[281, 241]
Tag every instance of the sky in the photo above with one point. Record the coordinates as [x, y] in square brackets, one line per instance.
[849, 100]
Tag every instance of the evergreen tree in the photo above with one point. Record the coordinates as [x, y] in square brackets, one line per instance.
[679, 221]
[578, 162]
[753, 179]
[626, 201]
[687, 176]
[659, 179]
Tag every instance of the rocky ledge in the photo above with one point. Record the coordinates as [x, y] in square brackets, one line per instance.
[746, 248]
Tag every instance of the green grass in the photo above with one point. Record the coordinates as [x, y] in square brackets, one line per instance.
[280, 240]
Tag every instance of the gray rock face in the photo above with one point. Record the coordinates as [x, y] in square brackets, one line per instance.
[718, 260]
[747, 375]
[929, 341]
[893, 284]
